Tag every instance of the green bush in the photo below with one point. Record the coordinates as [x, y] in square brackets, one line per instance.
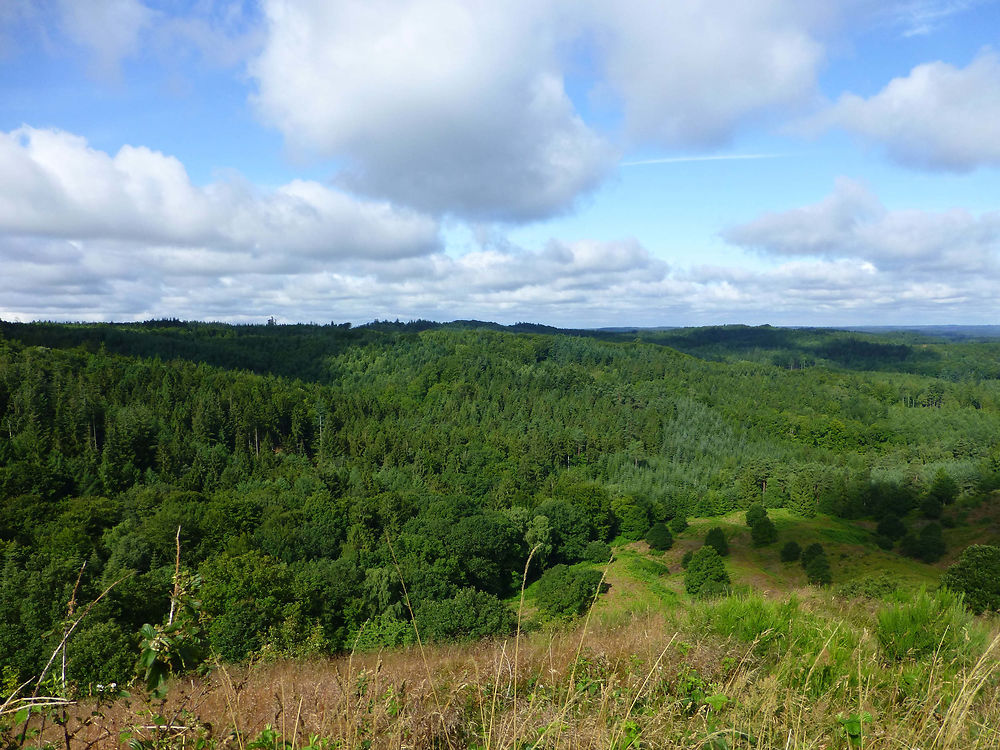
[678, 524]
[931, 507]
[763, 532]
[891, 527]
[706, 573]
[658, 538]
[818, 571]
[977, 576]
[469, 615]
[884, 542]
[813, 550]
[876, 586]
[927, 546]
[755, 513]
[686, 559]
[716, 538]
[930, 623]
[597, 552]
[791, 552]
[564, 591]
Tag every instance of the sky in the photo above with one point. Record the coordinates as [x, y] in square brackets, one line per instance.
[577, 163]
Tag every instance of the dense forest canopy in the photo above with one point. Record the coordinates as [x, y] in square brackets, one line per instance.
[312, 468]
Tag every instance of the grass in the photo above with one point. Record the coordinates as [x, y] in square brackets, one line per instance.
[740, 672]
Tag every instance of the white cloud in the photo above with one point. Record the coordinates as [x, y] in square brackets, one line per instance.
[446, 105]
[66, 189]
[108, 29]
[938, 117]
[853, 223]
[460, 107]
[690, 73]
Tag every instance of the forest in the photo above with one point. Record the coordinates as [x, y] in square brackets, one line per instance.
[330, 483]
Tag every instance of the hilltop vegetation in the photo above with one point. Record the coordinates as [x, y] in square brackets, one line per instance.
[316, 471]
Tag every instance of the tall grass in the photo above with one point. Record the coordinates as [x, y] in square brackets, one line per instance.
[739, 672]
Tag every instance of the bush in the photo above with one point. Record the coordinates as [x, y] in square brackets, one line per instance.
[763, 532]
[931, 507]
[813, 550]
[791, 552]
[686, 559]
[678, 524]
[818, 571]
[658, 538]
[706, 573]
[943, 488]
[876, 586]
[751, 618]
[977, 576]
[928, 624]
[716, 538]
[755, 514]
[597, 552]
[927, 546]
[469, 615]
[891, 527]
[565, 591]
[884, 542]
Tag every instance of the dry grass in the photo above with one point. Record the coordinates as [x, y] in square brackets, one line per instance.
[658, 681]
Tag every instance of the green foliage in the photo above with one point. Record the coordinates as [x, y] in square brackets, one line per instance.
[686, 558]
[469, 615]
[598, 552]
[930, 623]
[943, 488]
[706, 574]
[179, 644]
[716, 538]
[891, 526]
[565, 591]
[928, 545]
[878, 586]
[751, 618]
[678, 524]
[976, 576]
[755, 513]
[791, 551]
[813, 550]
[659, 538]
[931, 507]
[763, 532]
[818, 571]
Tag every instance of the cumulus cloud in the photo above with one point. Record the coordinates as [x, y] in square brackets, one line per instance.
[938, 117]
[65, 189]
[461, 107]
[446, 105]
[689, 73]
[853, 223]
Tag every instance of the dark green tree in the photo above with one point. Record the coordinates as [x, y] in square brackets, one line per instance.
[763, 532]
[706, 574]
[659, 538]
[977, 576]
[791, 551]
[716, 538]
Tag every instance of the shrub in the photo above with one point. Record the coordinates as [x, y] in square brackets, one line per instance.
[658, 537]
[884, 542]
[813, 550]
[791, 552]
[818, 571]
[565, 591]
[706, 573]
[678, 524]
[927, 546]
[931, 507]
[755, 514]
[763, 532]
[469, 615]
[927, 624]
[597, 552]
[751, 618]
[943, 488]
[686, 559]
[716, 538]
[869, 587]
[891, 527]
[977, 576]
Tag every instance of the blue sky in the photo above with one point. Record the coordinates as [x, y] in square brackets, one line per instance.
[654, 163]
